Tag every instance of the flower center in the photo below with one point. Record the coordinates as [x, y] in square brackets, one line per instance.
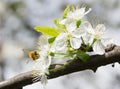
[69, 35]
[97, 36]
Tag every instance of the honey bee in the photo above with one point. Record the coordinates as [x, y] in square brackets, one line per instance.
[33, 54]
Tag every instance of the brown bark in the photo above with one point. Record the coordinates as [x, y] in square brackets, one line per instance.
[112, 55]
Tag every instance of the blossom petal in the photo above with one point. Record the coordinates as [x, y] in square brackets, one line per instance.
[66, 21]
[80, 11]
[70, 14]
[75, 42]
[63, 21]
[88, 27]
[44, 80]
[43, 42]
[88, 39]
[98, 48]
[71, 27]
[61, 47]
[47, 61]
[38, 65]
[77, 14]
[78, 33]
[60, 43]
[100, 28]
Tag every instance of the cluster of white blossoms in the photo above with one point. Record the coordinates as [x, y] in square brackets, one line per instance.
[72, 37]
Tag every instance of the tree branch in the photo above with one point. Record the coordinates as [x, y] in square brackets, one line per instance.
[112, 55]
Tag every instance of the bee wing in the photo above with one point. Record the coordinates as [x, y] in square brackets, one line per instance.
[26, 53]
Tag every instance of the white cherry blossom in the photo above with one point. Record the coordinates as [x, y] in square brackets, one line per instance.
[43, 62]
[75, 15]
[78, 13]
[96, 34]
[71, 34]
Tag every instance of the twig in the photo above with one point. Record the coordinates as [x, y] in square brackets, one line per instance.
[21, 80]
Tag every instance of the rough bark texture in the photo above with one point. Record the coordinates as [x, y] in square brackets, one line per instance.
[112, 55]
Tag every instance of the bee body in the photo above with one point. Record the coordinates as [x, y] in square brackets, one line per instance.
[34, 55]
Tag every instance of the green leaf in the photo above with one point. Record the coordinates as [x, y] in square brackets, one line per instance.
[52, 54]
[51, 40]
[47, 30]
[56, 22]
[66, 11]
[78, 22]
[82, 55]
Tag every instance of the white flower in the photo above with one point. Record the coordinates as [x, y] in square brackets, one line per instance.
[60, 43]
[44, 48]
[72, 34]
[42, 64]
[78, 13]
[75, 15]
[96, 34]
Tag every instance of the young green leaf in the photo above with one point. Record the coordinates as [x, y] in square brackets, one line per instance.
[47, 30]
[66, 11]
[51, 40]
[82, 55]
[56, 22]
[78, 22]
